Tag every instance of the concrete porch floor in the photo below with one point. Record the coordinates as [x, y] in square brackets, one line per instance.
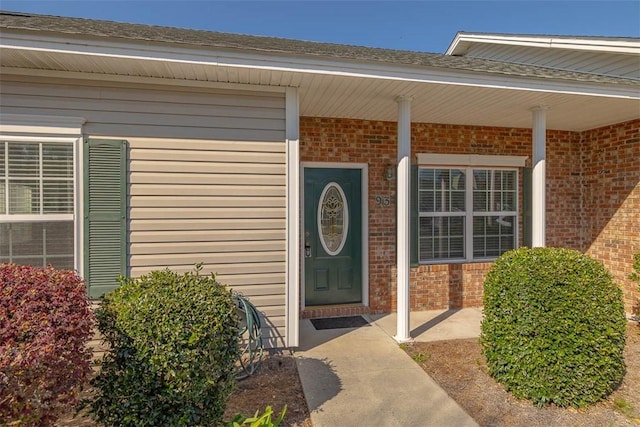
[435, 325]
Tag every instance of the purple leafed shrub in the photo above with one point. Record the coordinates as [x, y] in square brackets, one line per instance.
[45, 324]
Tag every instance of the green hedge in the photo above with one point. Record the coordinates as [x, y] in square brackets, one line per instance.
[554, 327]
[173, 345]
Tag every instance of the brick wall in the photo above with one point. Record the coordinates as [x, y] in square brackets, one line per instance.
[460, 285]
[374, 143]
[564, 203]
[611, 200]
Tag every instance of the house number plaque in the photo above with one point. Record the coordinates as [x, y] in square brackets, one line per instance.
[383, 201]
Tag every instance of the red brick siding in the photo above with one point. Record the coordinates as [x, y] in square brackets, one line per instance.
[563, 195]
[434, 287]
[460, 285]
[611, 195]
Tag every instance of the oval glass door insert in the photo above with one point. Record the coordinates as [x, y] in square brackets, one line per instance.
[333, 218]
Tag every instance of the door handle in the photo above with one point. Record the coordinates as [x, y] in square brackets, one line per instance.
[307, 249]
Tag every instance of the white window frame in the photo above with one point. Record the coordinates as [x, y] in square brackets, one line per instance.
[53, 129]
[469, 163]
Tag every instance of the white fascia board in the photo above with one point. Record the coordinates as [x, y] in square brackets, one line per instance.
[461, 42]
[306, 65]
[457, 46]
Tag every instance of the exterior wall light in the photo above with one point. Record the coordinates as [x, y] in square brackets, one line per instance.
[388, 173]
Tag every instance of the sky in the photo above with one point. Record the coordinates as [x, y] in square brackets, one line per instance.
[427, 26]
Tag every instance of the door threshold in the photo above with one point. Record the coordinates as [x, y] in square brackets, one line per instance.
[336, 310]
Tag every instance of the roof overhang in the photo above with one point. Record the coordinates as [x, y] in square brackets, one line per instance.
[627, 45]
[328, 87]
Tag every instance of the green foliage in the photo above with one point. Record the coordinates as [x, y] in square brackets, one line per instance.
[419, 357]
[554, 326]
[173, 345]
[636, 277]
[624, 407]
[45, 325]
[258, 420]
[636, 269]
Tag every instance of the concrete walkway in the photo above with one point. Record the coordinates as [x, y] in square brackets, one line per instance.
[360, 377]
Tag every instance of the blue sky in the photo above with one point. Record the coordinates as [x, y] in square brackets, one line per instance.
[416, 25]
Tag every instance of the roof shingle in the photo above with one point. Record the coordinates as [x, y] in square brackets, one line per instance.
[280, 46]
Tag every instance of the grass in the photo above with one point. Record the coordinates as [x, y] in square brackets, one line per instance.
[419, 357]
[624, 407]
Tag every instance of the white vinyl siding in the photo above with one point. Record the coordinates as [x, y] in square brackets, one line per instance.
[206, 176]
[199, 203]
[129, 110]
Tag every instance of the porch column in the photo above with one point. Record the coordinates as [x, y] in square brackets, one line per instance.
[538, 178]
[403, 217]
[292, 135]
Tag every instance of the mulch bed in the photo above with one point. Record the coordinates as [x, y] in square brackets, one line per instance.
[459, 367]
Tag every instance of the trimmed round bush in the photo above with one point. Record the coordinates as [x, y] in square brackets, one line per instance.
[45, 325]
[173, 344]
[554, 327]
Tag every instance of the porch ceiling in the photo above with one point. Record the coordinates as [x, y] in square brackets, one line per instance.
[439, 97]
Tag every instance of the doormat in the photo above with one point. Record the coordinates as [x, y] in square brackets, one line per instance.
[339, 322]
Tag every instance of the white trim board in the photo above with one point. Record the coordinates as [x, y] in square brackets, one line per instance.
[51, 126]
[609, 45]
[470, 160]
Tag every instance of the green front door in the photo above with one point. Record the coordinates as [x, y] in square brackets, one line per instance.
[332, 236]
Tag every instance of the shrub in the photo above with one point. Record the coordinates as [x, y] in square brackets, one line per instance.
[173, 346]
[636, 276]
[554, 326]
[45, 324]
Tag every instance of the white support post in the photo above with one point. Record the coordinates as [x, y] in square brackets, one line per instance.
[292, 121]
[403, 181]
[539, 182]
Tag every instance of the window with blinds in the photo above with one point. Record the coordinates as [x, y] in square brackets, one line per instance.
[37, 203]
[466, 214]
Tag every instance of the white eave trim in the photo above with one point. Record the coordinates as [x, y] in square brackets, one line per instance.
[470, 160]
[461, 42]
[305, 65]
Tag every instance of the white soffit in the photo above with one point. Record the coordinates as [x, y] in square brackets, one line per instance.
[332, 87]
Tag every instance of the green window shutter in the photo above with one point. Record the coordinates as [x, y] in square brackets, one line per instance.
[414, 223]
[526, 206]
[105, 214]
